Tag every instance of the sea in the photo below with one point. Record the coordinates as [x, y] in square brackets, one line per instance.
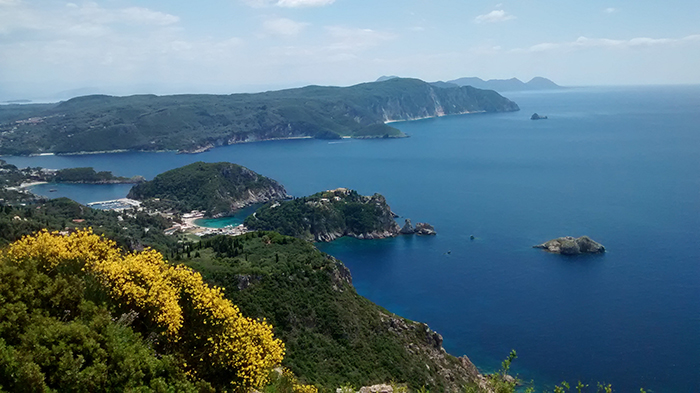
[618, 164]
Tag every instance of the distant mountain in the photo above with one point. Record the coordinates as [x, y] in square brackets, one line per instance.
[386, 78]
[502, 85]
[443, 85]
[540, 83]
[196, 122]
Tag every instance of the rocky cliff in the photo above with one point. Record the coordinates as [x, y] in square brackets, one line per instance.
[328, 215]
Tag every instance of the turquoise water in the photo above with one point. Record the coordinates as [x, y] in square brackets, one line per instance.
[83, 193]
[234, 220]
[620, 165]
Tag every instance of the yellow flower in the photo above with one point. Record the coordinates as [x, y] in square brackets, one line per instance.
[159, 291]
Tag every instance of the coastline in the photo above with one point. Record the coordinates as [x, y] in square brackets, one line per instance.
[27, 185]
[203, 149]
[389, 121]
[190, 226]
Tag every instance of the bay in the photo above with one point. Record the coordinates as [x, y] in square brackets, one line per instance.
[617, 164]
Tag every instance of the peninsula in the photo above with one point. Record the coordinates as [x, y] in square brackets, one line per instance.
[328, 215]
[197, 122]
[216, 188]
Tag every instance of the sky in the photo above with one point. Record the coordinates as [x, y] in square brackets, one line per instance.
[57, 49]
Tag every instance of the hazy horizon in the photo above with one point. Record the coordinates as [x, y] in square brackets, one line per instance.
[67, 95]
[123, 47]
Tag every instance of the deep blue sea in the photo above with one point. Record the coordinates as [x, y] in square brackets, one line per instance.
[621, 165]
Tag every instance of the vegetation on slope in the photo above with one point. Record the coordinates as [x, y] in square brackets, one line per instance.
[189, 122]
[133, 231]
[333, 336]
[327, 215]
[52, 338]
[80, 281]
[217, 188]
[72, 317]
[89, 175]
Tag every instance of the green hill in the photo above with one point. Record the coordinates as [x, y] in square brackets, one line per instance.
[328, 215]
[218, 188]
[195, 122]
[333, 336]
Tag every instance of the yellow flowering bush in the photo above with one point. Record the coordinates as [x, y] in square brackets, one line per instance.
[50, 249]
[296, 386]
[207, 330]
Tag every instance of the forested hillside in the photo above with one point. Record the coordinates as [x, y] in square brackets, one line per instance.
[217, 188]
[195, 122]
[328, 215]
[333, 336]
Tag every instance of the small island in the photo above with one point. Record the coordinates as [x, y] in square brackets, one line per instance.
[569, 245]
[328, 215]
[535, 116]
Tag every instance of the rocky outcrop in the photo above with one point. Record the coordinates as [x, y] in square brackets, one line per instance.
[423, 228]
[391, 232]
[420, 340]
[407, 228]
[535, 116]
[381, 388]
[264, 195]
[245, 281]
[569, 245]
[340, 275]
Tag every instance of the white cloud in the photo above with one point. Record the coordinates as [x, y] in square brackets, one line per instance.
[287, 3]
[90, 44]
[303, 3]
[585, 42]
[610, 10]
[283, 27]
[354, 39]
[72, 19]
[545, 46]
[146, 16]
[494, 16]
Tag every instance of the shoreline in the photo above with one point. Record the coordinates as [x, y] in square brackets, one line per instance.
[82, 153]
[27, 185]
[190, 226]
[432, 117]
[203, 149]
[197, 150]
